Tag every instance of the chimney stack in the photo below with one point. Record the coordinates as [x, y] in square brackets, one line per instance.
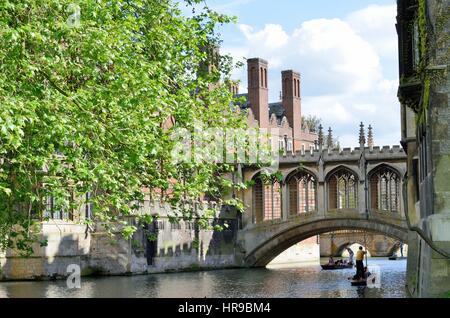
[291, 103]
[258, 95]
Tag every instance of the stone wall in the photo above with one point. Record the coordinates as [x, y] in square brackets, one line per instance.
[67, 244]
[428, 147]
[178, 247]
[185, 246]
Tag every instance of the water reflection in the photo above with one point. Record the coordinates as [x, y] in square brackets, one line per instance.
[303, 281]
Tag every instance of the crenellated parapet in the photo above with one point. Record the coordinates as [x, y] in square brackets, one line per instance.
[344, 154]
[386, 152]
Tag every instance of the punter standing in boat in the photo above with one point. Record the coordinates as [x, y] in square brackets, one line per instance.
[360, 263]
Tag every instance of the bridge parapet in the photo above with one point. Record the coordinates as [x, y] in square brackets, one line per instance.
[376, 152]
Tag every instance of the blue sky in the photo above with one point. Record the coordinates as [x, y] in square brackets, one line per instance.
[346, 52]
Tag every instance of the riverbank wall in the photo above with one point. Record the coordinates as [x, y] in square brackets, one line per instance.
[183, 245]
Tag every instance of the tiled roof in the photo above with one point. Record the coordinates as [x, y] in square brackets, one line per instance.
[276, 108]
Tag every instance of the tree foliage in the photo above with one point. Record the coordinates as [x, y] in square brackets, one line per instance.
[90, 106]
[312, 122]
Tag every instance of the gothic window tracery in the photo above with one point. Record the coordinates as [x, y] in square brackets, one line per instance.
[342, 190]
[385, 190]
[266, 199]
[302, 193]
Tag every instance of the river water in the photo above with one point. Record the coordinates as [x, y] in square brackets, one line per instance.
[294, 280]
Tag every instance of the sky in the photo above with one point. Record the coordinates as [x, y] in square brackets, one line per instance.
[345, 51]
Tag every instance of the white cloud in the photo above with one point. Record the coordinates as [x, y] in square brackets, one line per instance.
[374, 23]
[368, 108]
[341, 62]
[387, 86]
[337, 54]
[271, 37]
[328, 106]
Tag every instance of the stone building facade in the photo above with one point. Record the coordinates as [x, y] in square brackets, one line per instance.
[283, 117]
[423, 29]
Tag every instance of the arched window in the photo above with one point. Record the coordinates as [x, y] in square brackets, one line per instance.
[254, 77]
[295, 88]
[385, 189]
[302, 193]
[342, 190]
[265, 78]
[262, 76]
[266, 199]
[285, 88]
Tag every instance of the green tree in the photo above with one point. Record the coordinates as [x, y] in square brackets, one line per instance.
[90, 92]
[312, 121]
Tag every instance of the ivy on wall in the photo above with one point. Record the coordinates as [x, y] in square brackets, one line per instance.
[429, 71]
[423, 39]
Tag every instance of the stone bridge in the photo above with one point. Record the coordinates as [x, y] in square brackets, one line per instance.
[263, 242]
[378, 245]
[321, 191]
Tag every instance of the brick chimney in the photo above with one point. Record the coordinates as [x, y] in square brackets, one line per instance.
[258, 96]
[291, 103]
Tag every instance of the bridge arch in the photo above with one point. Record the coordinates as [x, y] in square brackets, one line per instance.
[342, 246]
[262, 254]
[258, 172]
[294, 171]
[380, 165]
[329, 171]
